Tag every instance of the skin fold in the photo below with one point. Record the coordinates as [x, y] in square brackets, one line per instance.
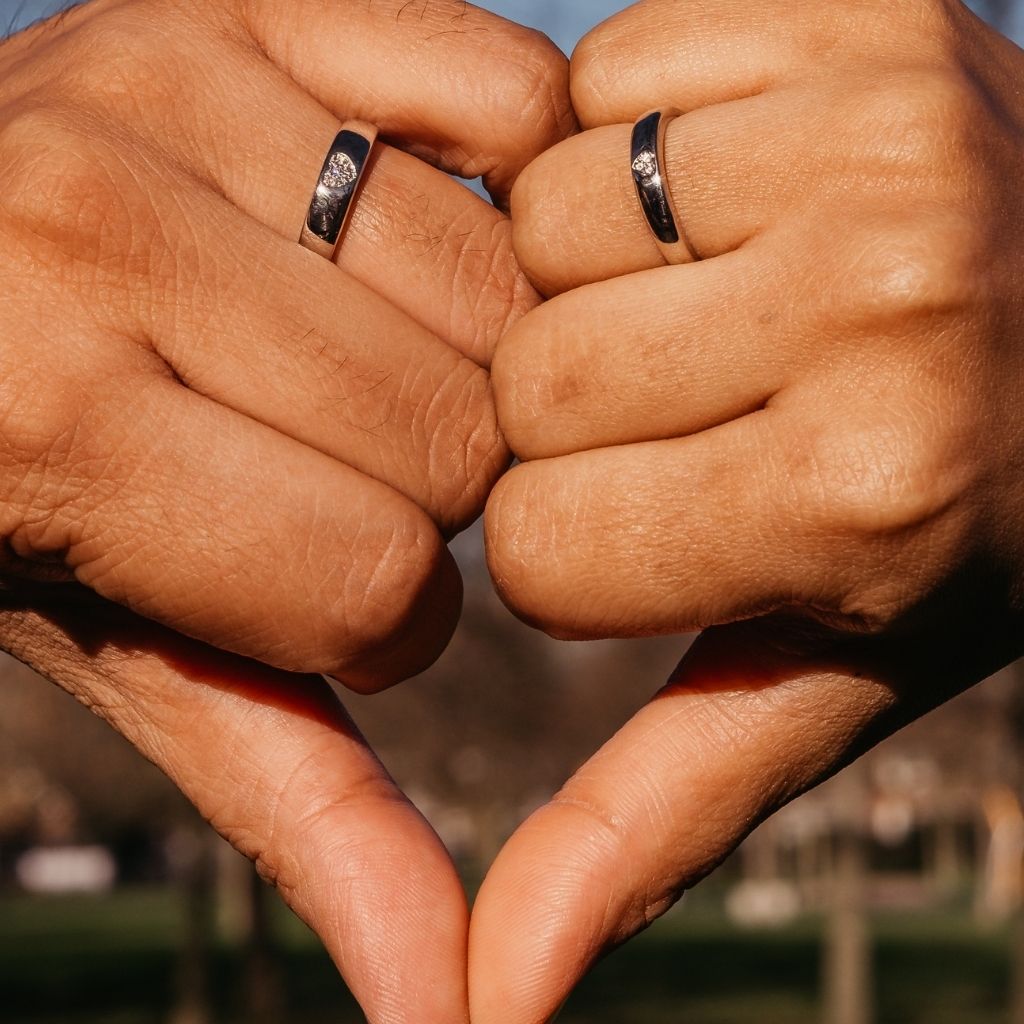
[808, 444]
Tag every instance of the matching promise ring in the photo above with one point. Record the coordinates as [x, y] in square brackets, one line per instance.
[650, 177]
[337, 188]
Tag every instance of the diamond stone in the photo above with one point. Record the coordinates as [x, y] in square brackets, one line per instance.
[646, 164]
[340, 171]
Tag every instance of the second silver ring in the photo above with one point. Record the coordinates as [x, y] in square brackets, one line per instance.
[650, 176]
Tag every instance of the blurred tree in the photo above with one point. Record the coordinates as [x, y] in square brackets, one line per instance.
[49, 743]
[1016, 719]
[59, 754]
[848, 982]
[504, 718]
[192, 852]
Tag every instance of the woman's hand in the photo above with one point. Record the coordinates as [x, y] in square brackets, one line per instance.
[237, 441]
[815, 431]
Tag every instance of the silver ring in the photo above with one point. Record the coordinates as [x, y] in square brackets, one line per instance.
[647, 160]
[337, 188]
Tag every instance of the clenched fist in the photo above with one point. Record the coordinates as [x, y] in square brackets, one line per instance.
[812, 434]
[207, 431]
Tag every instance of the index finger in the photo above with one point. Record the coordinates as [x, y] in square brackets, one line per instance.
[662, 53]
[659, 53]
[473, 92]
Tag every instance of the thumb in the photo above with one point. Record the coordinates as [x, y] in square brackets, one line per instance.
[276, 765]
[745, 725]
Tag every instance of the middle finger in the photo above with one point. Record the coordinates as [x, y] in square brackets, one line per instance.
[664, 353]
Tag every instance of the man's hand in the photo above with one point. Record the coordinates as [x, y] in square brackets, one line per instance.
[813, 433]
[234, 440]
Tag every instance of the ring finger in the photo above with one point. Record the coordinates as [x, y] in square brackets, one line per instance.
[575, 213]
[419, 238]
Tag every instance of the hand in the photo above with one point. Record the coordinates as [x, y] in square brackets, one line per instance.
[812, 433]
[233, 440]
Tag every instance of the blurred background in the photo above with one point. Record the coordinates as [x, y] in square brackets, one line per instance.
[893, 895]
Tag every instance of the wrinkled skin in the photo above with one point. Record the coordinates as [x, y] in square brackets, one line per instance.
[809, 443]
[223, 459]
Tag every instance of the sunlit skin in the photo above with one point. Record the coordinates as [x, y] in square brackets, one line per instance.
[224, 459]
[227, 465]
[810, 442]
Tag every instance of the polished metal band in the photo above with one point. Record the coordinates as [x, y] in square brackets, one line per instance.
[647, 160]
[337, 188]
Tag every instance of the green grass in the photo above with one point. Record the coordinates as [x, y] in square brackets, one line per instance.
[113, 961]
[931, 969]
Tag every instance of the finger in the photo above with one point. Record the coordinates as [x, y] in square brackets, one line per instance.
[480, 95]
[716, 55]
[320, 357]
[221, 528]
[746, 726]
[661, 354]
[660, 53]
[668, 537]
[279, 769]
[417, 237]
[577, 219]
[256, 323]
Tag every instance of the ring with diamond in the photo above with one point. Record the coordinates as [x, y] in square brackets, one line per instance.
[337, 188]
[647, 160]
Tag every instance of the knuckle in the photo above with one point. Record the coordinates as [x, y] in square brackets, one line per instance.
[522, 549]
[509, 381]
[521, 392]
[38, 427]
[540, 398]
[529, 195]
[39, 434]
[61, 452]
[910, 273]
[123, 63]
[890, 475]
[922, 128]
[505, 295]
[508, 531]
[61, 190]
[529, 112]
[394, 569]
[538, 90]
[466, 451]
[497, 294]
[538, 202]
[593, 71]
[937, 22]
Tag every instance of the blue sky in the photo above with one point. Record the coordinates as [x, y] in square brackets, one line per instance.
[564, 20]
